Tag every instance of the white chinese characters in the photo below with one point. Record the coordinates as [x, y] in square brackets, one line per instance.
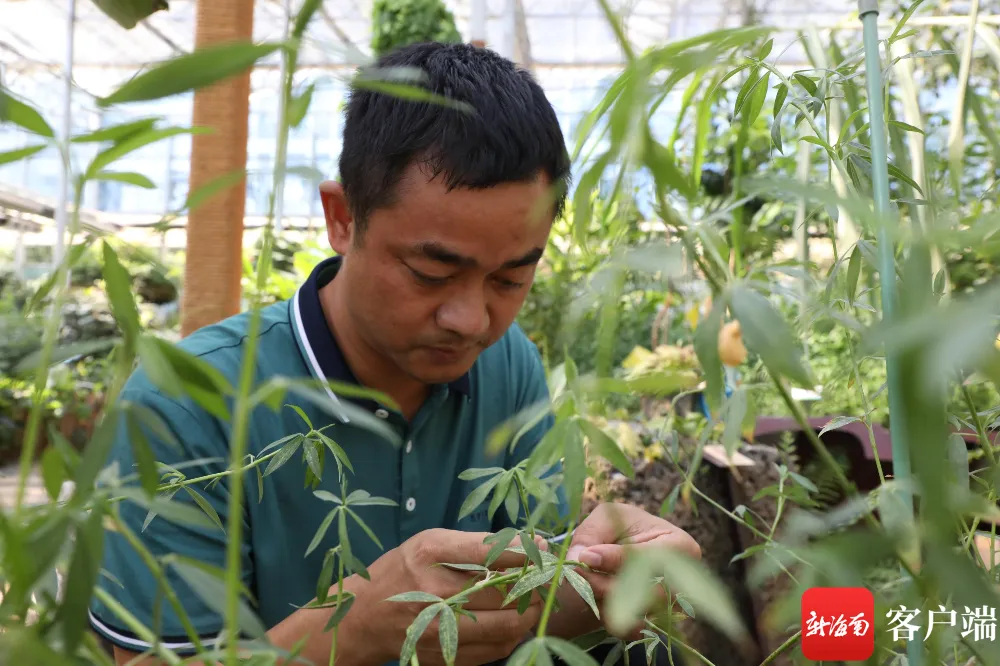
[979, 622]
[836, 626]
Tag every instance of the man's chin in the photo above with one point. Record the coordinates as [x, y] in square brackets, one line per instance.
[440, 367]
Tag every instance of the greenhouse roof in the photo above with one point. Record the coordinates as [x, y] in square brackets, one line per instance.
[560, 33]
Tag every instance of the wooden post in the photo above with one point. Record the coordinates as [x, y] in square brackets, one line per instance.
[214, 262]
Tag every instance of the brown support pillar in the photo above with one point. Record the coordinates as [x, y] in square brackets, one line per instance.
[213, 265]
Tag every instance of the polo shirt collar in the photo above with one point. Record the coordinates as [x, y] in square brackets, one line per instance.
[316, 341]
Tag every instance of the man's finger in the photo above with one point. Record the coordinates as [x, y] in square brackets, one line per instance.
[470, 548]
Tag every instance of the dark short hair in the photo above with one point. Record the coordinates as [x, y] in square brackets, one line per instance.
[512, 136]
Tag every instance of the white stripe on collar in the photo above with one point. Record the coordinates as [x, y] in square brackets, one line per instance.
[311, 356]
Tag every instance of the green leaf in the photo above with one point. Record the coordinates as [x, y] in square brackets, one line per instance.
[21, 153]
[853, 273]
[533, 579]
[312, 457]
[381, 81]
[192, 71]
[448, 634]
[82, 576]
[531, 550]
[53, 472]
[502, 488]
[837, 422]
[897, 173]
[205, 506]
[574, 468]
[415, 631]
[302, 19]
[208, 582]
[176, 512]
[362, 498]
[477, 472]
[364, 526]
[95, 455]
[13, 110]
[284, 454]
[706, 347]
[118, 286]
[128, 178]
[807, 83]
[135, 142]
[116, 133]
[905, 126]
[415, 597]
[633, 595]
[478, 496]
[500, 541]
[321, 530]
[768, 334]
[583, 588]
[734, 414]
[958, 456]
[299, 106]
[571, 654]
[149, 475]
[342, 608]
[779, 99]
[177, 372]
[606, 447]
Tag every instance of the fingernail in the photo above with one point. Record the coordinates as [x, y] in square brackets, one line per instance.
[590, 558]
[573, 554]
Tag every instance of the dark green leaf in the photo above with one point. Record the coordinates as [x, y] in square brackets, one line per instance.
[95, 456]
[338, 615]
[312, 457]
[377, 81]
[853, 273]
[500, 541]
[325, 579]
[734, 414]
[321, 530]
[574, 468]
[176, 367]
[475, 473]
[364, 526]
[192, 71]
[807, 83]
[905, 126]
[477, 496]
[338, 453]
[284, 454]
[302, 18]
[531, 549]
[768, 335]
[205, 506]
[533, 579]
[12, 156]
[606, 447]
[779, 99]
[896, 173]
[838, 422]
[149, 475]
[299, 107]
[502, 488]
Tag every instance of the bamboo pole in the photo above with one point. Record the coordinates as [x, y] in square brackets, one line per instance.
[868, 13]
[214, 263]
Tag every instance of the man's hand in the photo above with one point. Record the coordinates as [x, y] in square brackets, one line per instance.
[377, 628]
[600, 542]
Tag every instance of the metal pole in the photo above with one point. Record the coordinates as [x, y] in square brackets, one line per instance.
[868, 12]
[62, 212]
[279, 194]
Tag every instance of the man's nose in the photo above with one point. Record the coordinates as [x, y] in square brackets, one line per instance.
[465, 313]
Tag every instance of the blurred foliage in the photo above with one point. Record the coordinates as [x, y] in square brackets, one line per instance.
[397, 23]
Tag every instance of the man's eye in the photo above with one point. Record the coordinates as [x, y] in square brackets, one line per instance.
[509, 284]
[428, 279]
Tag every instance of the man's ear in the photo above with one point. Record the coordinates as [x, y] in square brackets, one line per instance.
[337, 214]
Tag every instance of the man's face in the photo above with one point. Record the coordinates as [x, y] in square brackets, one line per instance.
[439, 276]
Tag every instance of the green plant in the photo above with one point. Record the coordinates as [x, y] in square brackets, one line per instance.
[881, 551]
[397, 23]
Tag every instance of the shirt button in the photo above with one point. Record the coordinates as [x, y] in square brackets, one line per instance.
[411, 504]
[409, 446]
[381, 413]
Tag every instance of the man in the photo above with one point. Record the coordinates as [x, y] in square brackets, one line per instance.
[437, 232]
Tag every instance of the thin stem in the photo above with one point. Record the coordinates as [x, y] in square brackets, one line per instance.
[234, 567]
[340, 600]
[784, 647]
[868, 411]
[550, 598]
[157, 571]
[135, 625]
[984, 441]
[51, 335]
[652, 626]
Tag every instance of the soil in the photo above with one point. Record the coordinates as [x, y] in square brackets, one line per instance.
[719, 536]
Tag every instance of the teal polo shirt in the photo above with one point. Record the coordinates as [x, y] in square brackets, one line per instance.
[420, 475]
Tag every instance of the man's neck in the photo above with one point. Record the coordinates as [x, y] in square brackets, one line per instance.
[370, 368]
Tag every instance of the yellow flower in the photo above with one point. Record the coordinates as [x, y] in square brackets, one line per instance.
[731, 348]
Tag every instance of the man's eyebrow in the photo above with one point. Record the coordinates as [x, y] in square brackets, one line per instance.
[440, 253]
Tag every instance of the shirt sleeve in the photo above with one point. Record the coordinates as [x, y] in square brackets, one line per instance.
[533, 390]
[176, 432]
